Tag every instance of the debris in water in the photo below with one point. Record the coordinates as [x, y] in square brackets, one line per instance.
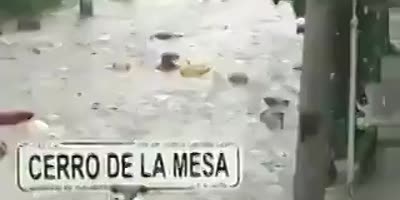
[238, 78]
[119, 67]
[3, 149]
[298, 67]
[95, 106]
[300, 23]
[273, 120]
[36, 50]
[166, 35]
[275, 101]
[168, 62]
[194, 70]
[111, 107]
[276, 2]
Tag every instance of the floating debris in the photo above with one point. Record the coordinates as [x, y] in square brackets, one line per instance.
[112, 107]
[3, 149]
[166, 35]
[63, 69]
[194, 70]
[95, 106]
[275, 101]
[238, 78]
[298, 67]
[79, 94]
[168, 62]
[36, 50]
[273, 120]
[119, 67]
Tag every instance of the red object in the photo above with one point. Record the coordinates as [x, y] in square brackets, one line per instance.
[14, 117]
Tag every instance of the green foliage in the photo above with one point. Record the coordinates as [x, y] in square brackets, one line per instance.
[27, 7]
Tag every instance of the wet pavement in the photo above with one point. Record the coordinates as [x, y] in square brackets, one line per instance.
[63, 73]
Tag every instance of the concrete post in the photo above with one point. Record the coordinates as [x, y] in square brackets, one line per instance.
[325, 70]
[86, 8]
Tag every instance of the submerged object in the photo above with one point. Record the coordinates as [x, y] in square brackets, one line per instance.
[168, 62]
[14, 117]
[194, 70]
[238, 78]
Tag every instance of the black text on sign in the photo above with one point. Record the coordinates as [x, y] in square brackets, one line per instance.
[95, 166]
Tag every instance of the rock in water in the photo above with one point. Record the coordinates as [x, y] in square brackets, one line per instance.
[276, 2]
[274, 101]
[28, 24]
[300, 24]
[168, 62]
[273, 120]
[166, 35]
[238, 78]
[194, 70]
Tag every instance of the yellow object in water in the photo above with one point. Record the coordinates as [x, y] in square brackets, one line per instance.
[194, 70]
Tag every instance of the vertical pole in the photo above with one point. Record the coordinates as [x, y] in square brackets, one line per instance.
[352, 96]
[86, 8]
[316, 118]
[323, 95]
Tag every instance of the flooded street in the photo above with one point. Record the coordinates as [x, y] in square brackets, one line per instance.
[64, 74]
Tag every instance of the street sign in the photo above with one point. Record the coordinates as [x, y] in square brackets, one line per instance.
[99, 165]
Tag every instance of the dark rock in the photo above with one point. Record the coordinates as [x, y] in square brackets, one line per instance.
[276, 2]
[168, 62]
[273, 120]
[166, 35]
[95, 106]
[274, 101]
[298, 67]
[238, 78]
[36, 50]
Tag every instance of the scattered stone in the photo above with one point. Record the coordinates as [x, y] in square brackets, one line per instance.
[36, 50]
[274, 101]
[238, 78]
[276, 2]
[28, 24]
[166, 35]
[273, 120]
[3, 149]
[95, 106]
[194, 70]
[168, 62]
